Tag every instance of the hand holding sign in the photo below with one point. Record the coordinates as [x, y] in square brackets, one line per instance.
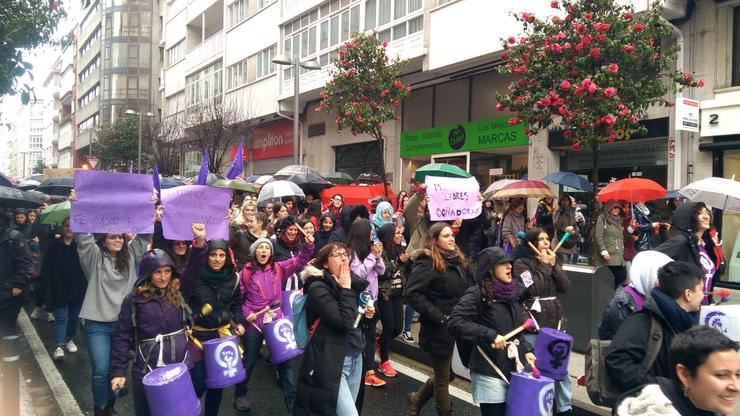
[453, 199]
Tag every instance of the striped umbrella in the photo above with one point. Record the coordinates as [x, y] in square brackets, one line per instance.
[524, 189]
[496, 186]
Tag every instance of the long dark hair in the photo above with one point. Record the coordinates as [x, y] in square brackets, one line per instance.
[314, 209]
[439, 263]
[358, 239]
[386, 234]
[122, 257]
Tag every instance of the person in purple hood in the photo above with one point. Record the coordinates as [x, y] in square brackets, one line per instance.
[156, 306]
[260, 283]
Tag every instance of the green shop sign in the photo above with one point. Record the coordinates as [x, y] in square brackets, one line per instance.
[473, 135]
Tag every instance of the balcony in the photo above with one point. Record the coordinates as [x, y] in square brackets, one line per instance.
[65, 137]
[83, 139]
[205, 53]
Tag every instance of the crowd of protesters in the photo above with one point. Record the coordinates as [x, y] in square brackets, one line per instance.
[468, 280]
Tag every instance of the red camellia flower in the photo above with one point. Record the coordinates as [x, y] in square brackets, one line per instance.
[384, 93]
[511, 40]
[600, 38]
[529, 18]
[358, 118]
[591, 88]
[701, 83]
[560, 35]
[554, 4]
[556, 20]
[594, 53]
[610, 92]
[513, 121]
[629, 48]
[500, 107]
[385, 44]
[408, 89]
[613, 68]
[628, 16]
[556, 48]
[638, 27]
[356, 104]
[505, 56]
[576, 146]
[565, 85]
[567, 134]
[398, 84]
[521, 69]
[588, 15]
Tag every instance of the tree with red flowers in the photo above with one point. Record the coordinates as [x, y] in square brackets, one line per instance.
[591, 70]
[365, 90]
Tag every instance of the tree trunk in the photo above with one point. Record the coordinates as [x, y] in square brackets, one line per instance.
[381, 145]
[595, 148]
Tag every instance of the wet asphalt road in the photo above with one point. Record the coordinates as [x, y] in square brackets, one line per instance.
[264, 393]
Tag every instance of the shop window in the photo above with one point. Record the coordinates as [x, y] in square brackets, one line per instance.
[736, 46]
[357, 158]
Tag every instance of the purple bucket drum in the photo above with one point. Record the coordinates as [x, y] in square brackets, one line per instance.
[223, 362]
[280, 341]
[529, 396]
[286, 302]
[169, 391]
[552, 350]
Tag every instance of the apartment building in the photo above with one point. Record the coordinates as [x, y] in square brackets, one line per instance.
[27, 139]
[117, 66]
[60, 84]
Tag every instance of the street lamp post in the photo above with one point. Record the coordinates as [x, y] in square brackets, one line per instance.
[141, 115]
[297, 65]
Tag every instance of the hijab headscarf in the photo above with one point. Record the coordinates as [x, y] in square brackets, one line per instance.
[378, 220]
[644, 270]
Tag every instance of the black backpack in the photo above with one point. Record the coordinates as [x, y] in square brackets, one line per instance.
[599, 386]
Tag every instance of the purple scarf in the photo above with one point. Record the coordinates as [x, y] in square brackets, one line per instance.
[504, 291]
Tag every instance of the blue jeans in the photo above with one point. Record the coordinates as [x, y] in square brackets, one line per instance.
[98, 337]
[349, 385]
[408, 318]
[252, 343]
[66, 318]
[563, 388]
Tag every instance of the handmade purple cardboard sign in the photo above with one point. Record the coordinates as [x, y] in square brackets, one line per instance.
[112, 202]
[200, 204]
[453, 198]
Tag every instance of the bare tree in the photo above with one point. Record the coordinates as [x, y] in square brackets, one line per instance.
[166, 142]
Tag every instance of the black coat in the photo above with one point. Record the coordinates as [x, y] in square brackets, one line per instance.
[434, 295]
[477, 321]
[321, 367]
[281, 252]
[546, 282]
[64, 280]
[617, 311]
[15, 262]
[629, 346]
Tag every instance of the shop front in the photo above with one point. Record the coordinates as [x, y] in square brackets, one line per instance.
[269, 148]
[489, 149]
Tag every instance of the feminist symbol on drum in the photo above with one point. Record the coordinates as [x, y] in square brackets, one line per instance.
[558, 352]
[546, 400]
[227, 357]
[283, 332]
[717, 320]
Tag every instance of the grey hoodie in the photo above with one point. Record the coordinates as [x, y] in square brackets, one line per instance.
[106, 287]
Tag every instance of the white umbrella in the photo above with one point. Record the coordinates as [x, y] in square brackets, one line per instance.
[276, 190]
[718, 193]
[496, 186]
[262, 179]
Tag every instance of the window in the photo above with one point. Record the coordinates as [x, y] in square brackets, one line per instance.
[133, 54]
[204, 85]
[236, 74]
[90, 68]
[87, 124]
[736, 46]
[35, 141]
[265, 66]
[240, 10]
[382, 12]
[90, 40]
[176, 53]
[89, 96]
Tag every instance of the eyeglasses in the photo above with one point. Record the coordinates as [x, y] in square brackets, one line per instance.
[338, 199]
[340, 255]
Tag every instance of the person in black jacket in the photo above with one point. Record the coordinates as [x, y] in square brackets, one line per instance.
[330, 378]
[213, 268]
[674, 304]
[287, 239]
[694, 244]
[543, 215]
[65, 285]
[704, 368]
[439, 278]
[483, 314]
[15, 271]
[326, 227]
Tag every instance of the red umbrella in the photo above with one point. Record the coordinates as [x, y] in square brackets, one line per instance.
[632, 190]
[524, 189]
[356, 194]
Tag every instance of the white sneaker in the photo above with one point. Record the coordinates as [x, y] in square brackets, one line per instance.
[36, 314]
[71, 347]
[50, 317]
[59, 354]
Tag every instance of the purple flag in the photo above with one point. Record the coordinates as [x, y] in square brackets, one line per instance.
[201, 204]
[203, 175]
[155, 180]
[237, 166]
[112, 202]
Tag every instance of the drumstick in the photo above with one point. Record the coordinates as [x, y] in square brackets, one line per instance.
[265, 309]
[526, 325]
[302, 231]
[522, 236]
[535, 372]
[569, 230]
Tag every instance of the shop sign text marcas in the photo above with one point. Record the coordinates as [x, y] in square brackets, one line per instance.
[470, 136]
[269, 142]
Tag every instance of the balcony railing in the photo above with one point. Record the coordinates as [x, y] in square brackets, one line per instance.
[205, 51]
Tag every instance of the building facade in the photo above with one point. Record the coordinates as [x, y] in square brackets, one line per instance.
[27, 137]
[60, 86]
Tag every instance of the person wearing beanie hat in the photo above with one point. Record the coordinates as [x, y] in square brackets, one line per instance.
[543, 278]
[260, 284]
[212, 270]
[155, 308]
[483, 314]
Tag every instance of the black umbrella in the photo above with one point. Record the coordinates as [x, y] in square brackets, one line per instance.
[57, 186]
[369, 177]
[15, 198]
[5, 180]
[307, 178]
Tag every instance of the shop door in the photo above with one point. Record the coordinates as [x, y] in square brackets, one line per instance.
[461, 160]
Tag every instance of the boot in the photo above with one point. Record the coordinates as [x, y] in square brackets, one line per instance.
[441, 412]
[108, 410]
[98, 411]
[419, 398]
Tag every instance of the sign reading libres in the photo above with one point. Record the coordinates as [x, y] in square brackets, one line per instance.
[473, 135]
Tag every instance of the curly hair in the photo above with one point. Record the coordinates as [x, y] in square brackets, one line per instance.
[148, 291]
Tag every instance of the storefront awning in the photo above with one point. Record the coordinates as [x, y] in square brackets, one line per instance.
[721, 145]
